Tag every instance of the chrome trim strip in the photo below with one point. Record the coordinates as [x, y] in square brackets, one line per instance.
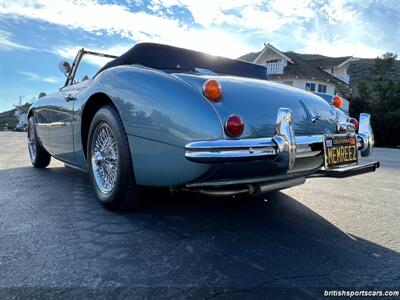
[228, 150]
[231, 144]
[221, 154]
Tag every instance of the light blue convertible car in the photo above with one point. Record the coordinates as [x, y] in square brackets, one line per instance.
[163, 116]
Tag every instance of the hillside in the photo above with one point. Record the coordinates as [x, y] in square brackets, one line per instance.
[8, 117]
[363, 70]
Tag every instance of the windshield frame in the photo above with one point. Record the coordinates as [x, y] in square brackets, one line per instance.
[75, 65]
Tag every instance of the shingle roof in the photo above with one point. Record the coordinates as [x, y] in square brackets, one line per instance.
[328, 61]
[250, 56]
[302, 68]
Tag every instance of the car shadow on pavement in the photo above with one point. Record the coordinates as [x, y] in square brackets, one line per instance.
[52, 223]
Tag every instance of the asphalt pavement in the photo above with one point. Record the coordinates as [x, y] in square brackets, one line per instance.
[329, 234]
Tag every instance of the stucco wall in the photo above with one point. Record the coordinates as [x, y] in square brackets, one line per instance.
[301, 84]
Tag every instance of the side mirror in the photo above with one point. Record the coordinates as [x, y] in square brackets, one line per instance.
[64, 67]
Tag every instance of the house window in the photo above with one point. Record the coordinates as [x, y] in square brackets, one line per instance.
[322, 88]
[310, 87]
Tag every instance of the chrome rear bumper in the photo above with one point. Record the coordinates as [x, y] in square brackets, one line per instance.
[226, 189]
[284, 147]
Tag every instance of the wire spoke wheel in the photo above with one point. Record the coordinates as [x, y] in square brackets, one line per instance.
[104, 158]
[32, 141]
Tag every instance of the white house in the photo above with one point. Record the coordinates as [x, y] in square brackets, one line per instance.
[315, 73]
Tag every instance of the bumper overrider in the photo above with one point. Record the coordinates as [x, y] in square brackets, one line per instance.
[284, 147]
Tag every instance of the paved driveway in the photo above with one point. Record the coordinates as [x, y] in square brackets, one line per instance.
[326, 234]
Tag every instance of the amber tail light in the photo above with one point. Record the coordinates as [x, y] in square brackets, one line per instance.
[337, 101]
[212, 90]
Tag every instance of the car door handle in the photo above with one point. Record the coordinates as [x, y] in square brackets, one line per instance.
[70, 98]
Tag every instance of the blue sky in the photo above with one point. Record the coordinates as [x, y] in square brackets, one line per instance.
[36, 34]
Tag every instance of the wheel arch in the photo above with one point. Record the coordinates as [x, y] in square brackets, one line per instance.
[92, 105]
[30, 112]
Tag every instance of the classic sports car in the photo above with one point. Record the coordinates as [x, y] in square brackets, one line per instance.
[171, 117]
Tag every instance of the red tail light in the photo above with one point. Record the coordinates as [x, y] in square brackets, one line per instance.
[234, 126]
[354, 122]
[212, 89]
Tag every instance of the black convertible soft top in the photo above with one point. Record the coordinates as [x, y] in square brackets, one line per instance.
[165, 57]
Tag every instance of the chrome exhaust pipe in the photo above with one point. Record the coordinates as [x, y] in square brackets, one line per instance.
[248, 189]
[280, 185]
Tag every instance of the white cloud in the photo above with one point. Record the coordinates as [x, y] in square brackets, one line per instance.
[7, 44]
[336, 26]
[208, 12]
[37, 77]
[51, 79]
[337, 12]
[249, 14]
[317, 44]
[117, 19]
[91, 16]
[338, 31]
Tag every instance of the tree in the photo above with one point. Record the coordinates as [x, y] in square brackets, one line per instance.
[381, 98]
[383, 65]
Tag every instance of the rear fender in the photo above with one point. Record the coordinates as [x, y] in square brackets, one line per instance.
[161, 114]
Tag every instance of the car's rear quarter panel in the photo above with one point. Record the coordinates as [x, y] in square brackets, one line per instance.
[161, 114]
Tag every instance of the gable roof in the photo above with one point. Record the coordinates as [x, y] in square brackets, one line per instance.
[273, 49]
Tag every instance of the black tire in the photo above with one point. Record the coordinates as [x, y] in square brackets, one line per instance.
[40, 158]
[124, 194]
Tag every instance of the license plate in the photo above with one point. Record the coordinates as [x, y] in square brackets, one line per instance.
[340, 150]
